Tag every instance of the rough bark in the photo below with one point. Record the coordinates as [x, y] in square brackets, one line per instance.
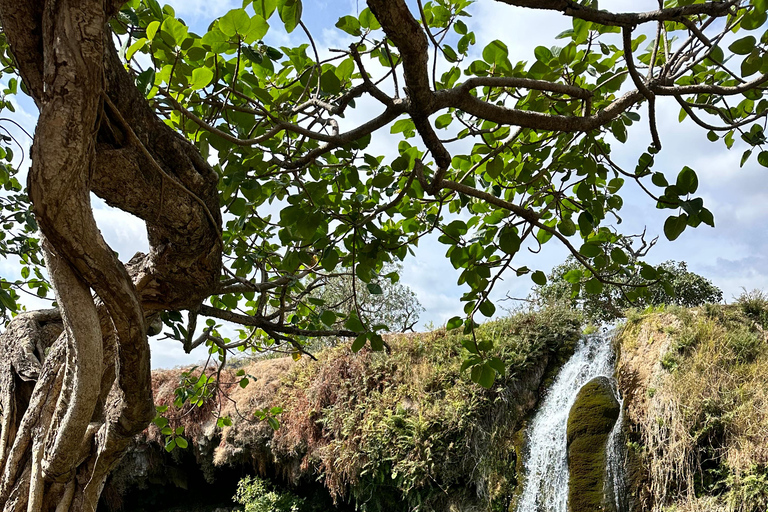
[76, 382]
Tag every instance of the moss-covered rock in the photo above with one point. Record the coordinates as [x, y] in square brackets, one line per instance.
[592, 417]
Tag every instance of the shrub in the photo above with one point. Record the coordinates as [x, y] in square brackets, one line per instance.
[754, 304]
[258, 495]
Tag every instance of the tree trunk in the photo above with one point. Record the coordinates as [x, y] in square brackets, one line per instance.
[75, 382]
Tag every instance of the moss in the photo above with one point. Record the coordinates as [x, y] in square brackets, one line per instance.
[592, 417]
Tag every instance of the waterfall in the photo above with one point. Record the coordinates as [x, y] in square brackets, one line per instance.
[546, 468]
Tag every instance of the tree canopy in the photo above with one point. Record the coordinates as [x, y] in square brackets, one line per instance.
[256, 188]
[679, 287]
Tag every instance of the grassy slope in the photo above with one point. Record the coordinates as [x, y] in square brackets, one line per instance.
[696, 394]
[389, 431]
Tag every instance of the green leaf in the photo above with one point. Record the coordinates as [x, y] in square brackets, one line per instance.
[330, 83]
[181, 443]
[234, 22]
[593, 286]
[498, 365]
[354, 324]
[368, 20]
[590, 250]
[706, 217]
[359, 343]
[495, 53]
[244, 382]
[454, 323]
[753, 19]
[487, 308]
[259, 28]
[470, 345]
[350, 25]
[290, 14]
[687, 181]
[374, 289]
[744, 157]
[273, 423]
[573, 276]
[743, 46]
[648, 273]
[751, 64]
[136, 46]
[145, 81]
[175, 29]
[539, 278]
[659, 180]
[509, 241]
[762, 158]
[566, 227]
[264, 8]
[675, 225]
[487, 376]
[619, 256]
[170, 445]
[201, 77]
[443, 120]
[328, 317]
[377, 342]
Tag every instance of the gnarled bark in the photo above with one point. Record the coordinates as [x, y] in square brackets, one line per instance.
[76, 383]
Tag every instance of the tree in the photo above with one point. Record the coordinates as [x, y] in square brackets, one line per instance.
[384, 301]
[678, 286]
[525, 158]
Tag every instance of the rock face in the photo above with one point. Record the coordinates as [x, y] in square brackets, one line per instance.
[590, 422]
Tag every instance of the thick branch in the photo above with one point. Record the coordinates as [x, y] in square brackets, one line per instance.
[628, 19]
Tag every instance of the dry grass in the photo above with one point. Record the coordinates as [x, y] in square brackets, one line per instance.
[698, 382]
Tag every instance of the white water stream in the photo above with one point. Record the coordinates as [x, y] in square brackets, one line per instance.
[546, 467]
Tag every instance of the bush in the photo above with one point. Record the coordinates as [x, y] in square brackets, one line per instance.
[258, 495]
[754, 304]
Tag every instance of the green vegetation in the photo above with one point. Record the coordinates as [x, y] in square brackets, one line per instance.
[698, 386]
[672, 283]
[590, 422]
[409, 430]
[258, 495]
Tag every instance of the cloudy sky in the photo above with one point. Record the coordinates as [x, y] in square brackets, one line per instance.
[734, 254]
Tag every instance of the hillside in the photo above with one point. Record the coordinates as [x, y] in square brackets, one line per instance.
[695, 385]
[408, 423]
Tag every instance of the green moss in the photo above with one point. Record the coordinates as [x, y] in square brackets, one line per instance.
[592, 417]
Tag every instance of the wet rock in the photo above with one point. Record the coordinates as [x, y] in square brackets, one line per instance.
[590, 422]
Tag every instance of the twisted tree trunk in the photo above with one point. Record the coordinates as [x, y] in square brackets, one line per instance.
[75, 383]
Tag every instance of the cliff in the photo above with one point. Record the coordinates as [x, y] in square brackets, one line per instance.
[695, 386]
[409, 424]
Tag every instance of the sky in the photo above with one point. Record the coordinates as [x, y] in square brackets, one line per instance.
[734, 254]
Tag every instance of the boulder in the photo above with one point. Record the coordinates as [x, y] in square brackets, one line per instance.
[590, 422]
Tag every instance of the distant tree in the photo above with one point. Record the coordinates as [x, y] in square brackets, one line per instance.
[385, 301]
[673, 284]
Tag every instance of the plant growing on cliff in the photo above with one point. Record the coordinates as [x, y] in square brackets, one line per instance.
[196, 133]
[259, 496]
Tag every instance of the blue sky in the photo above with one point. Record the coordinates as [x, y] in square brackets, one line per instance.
[733, 255]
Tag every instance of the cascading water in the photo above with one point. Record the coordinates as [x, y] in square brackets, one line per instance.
[546, 468]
